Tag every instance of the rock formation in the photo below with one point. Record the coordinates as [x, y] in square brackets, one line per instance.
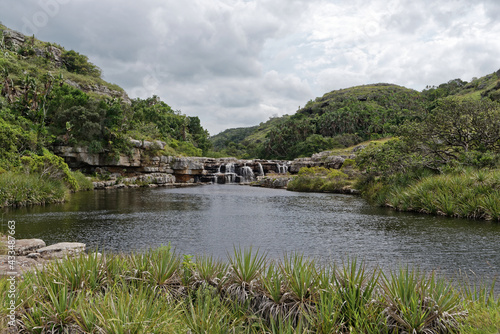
[34, 254]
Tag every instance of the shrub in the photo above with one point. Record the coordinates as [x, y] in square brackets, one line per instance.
[21, 190]
[49, 166]
[318, 179]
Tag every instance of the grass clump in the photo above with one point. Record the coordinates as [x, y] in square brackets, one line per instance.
[468, 193]
[29, 189]
[319, 179]
[159, 291]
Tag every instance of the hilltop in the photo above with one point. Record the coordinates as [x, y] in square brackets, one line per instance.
[345, 117]
[340, 118]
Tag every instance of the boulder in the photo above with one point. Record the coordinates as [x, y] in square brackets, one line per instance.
[22, 264]
[61, 250]
[26, 246]
[334, 162]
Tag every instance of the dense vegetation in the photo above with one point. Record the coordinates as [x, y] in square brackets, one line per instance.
[50, 96]
[445, 161]
[161, 292]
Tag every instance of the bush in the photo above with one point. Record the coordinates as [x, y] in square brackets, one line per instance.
[80, 64]
[49, 166]
[22, 190]
[318, 179]
[84, 183]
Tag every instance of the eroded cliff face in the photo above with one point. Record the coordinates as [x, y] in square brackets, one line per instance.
[144, 166]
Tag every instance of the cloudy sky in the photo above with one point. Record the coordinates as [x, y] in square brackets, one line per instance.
[236, 63]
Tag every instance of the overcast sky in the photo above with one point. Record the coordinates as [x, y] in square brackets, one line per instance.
[236, 63]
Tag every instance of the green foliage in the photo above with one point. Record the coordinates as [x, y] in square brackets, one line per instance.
[49, 166]
[80, 64]
[22, 190]
[417, 304]
[454, 131]
[84, 183]
[465, 193]
[318, 179]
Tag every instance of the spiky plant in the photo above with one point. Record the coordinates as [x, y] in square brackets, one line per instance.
[301, 284]
[83, 272]
[207, 314]
[417, 304]
[355, 285]
[164, 265]
[209, 271]
[243, 278]
[271, 305]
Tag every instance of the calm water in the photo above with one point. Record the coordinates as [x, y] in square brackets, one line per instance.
[212, 219]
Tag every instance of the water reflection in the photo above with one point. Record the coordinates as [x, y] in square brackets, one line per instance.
[213, 219]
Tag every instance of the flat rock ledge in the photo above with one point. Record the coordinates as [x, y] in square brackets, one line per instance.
[34, 254]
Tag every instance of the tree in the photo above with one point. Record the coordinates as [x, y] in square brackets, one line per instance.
[455, 128]
[80, 64]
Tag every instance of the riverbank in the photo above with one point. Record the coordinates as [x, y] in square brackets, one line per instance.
[165, 292]
[463, 193]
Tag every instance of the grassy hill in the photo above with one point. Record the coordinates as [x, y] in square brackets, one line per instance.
[345, 117]
[340, 118]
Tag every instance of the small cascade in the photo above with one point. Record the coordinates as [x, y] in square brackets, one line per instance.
[230, 175]
[261, 170]
[247, 174]
[218, 169]
[281, 169]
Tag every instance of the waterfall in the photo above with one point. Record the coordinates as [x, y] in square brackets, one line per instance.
[281, 169]
[230, 175]
[218, 169]
[247, 174]
[261, 170]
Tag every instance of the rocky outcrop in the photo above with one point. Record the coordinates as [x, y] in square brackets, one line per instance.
[13, 39]
[144, 165]
[100, 90]
[154, 179]
[26, 246]
[61, 250]
[34, 254]
[323, 159]
[273, 181]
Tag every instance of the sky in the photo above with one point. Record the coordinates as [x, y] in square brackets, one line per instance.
[236, 63]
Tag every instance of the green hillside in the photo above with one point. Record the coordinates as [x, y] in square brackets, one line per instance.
[338, 119]
[50, 96]
[53, 96]
[345, 117]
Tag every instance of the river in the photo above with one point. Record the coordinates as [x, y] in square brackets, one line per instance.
[212, 219]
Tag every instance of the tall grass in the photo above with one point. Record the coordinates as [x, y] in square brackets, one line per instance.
[28, 189]
[468, 193]
[146, 293]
